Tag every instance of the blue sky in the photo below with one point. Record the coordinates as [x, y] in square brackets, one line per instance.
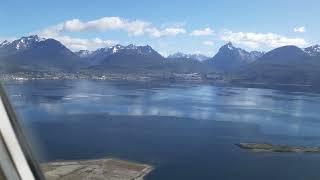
[167, 25]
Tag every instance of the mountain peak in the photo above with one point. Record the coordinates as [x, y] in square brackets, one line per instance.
[119, 46]
[83, 53]
[230, 46]
[179, 55]
[5, 42]
[26, 42]
[22, 43]
[131, 46]
[229, 43]
[285, 55]
[114, 48]
[139, 49]
[230, 57]
[101, 54]
[313, 50]
[34, 38]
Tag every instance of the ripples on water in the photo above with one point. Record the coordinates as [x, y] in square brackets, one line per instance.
[179, 127]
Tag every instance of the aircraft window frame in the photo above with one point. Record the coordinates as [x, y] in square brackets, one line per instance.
[16, 158]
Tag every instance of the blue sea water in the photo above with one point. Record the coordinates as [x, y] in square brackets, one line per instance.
[186, 131]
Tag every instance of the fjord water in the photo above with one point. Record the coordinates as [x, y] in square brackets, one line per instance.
[186, 131]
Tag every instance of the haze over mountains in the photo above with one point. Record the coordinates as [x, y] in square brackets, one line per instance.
[288, 64]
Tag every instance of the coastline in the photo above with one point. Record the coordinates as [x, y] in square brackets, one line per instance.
[191, 78]
[108, 168]
[263, 147]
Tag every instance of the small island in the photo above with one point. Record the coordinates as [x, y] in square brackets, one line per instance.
[256, 147]
[100, 169]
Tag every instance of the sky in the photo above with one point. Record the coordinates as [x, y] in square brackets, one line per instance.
[169, 26]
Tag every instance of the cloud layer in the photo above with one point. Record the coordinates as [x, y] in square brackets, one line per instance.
[255, 40]
[208, 43]
[76, 44]
[133, 28]
[83, 44]
[202, 32]
[154, 32]
[63, 32]
[301, 29]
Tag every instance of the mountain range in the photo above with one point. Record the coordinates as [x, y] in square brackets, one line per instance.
[287, 64]
[34, 53]
[284, 65]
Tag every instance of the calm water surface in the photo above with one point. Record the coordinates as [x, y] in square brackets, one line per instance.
[187, 131]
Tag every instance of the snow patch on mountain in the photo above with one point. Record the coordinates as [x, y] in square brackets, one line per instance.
[4, 43]
[83, 53]
[22, 43]
[26, 42]
[230, 46]
[243, 54]
[312, 50]
[198, 57]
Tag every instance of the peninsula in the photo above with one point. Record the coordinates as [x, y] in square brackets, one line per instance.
[256, 147]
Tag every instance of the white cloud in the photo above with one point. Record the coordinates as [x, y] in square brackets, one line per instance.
[174, 31]
[205, 53]
[82, 44]
[76, 44]
[164, 53]
[208, 43]
[50, 31]
[301, 29]
[202, 32]
[133, 28]
[255, 40]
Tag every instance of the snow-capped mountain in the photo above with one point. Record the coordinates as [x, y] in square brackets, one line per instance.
[126, 58]
[280, 64]
[4, 43]
[7, 47]
[230, 57]
[133, 49]
[83, 53]
[35, 53]
[313, 50]
[179, 55]
[104, 53]
[144, 50]
[22, 43]
[230, 49]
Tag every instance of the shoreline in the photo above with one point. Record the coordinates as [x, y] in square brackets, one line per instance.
[146, 79]
[106, 168]
[263, 147]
